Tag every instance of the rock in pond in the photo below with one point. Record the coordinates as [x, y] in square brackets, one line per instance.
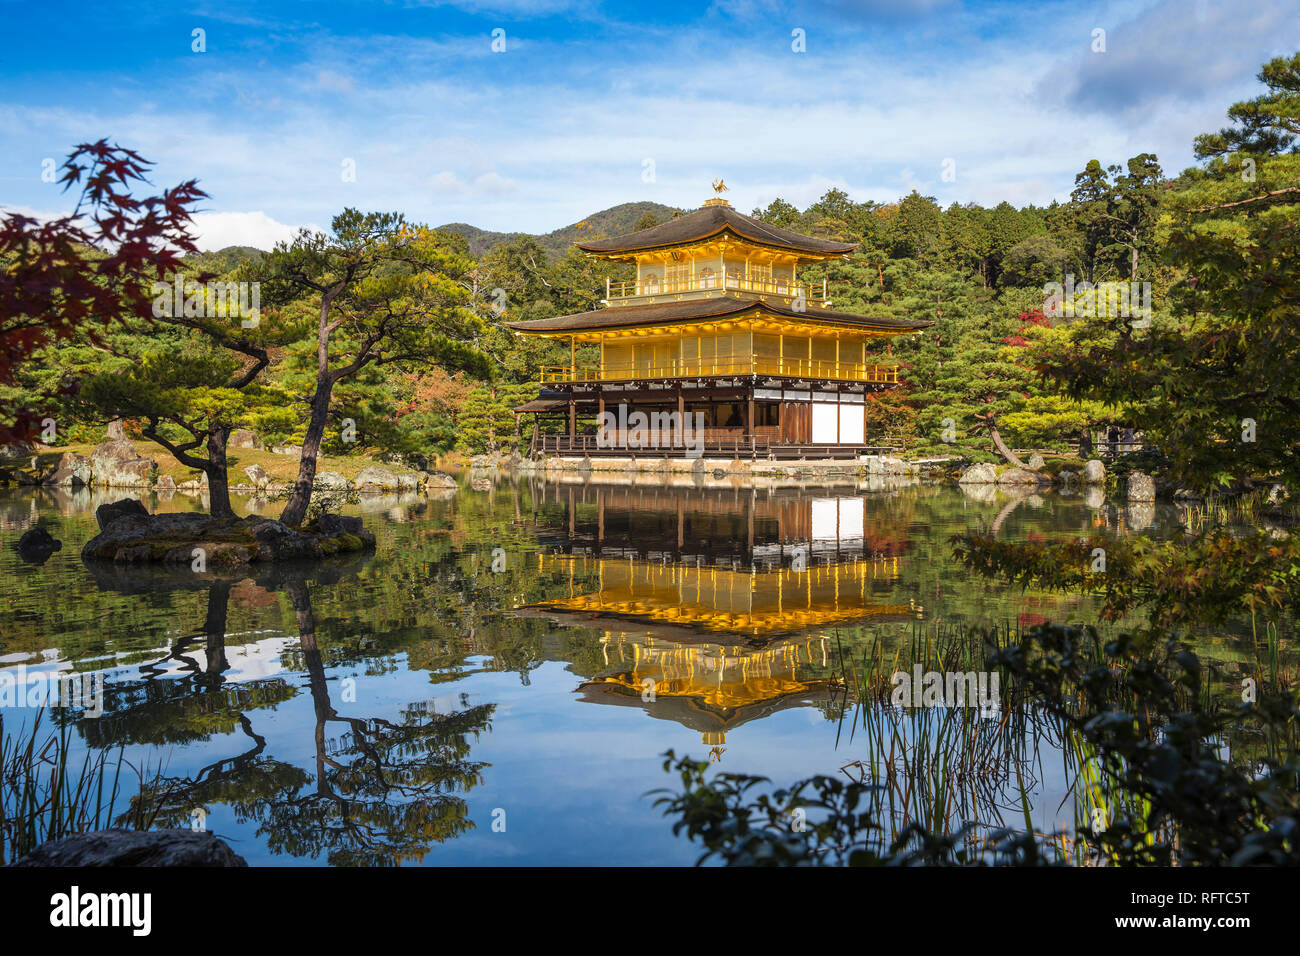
[36, 545]
[102, 848]
[1141, 487]
[182, 538]
[107, 514]
[982, 474]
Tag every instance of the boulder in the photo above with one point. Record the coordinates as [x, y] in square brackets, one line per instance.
[105, 515]
[116, 464]
[375, 478]
[1094, 472]
[1278, 494]
[1141, 487]
[243, 438]
[1022, 476]
[37, 544]
[295, 450]
[331, 481]
[440, 479]
[1035, 461]
[116, 430]
[165, 484]
[103, 848]
[408, 482]
[981, 474]
[257, 475]
[72, 470]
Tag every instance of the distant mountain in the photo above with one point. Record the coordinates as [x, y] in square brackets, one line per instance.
[614, 221]
[608, 222]
[223, 260]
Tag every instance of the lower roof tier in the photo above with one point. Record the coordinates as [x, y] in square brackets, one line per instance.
[592, 325]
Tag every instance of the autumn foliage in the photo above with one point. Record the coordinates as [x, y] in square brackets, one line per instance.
[88, 268]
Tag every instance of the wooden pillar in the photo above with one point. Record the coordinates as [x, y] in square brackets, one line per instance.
[681, 415]
[573, 418]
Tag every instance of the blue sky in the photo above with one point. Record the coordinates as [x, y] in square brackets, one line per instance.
[586, 95]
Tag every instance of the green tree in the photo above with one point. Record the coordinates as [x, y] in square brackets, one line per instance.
[388, 293]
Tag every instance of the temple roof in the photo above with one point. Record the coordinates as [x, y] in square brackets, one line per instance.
[708, 221]
[715, 307]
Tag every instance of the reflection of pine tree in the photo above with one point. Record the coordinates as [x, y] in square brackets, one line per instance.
[383, 792]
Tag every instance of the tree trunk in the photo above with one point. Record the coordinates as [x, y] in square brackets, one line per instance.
[296, 510]
[1002, 448]
[218, 477]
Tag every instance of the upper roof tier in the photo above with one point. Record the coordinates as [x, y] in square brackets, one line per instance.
[715, 218]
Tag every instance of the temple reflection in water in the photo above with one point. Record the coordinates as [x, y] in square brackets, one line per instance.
[714, 604]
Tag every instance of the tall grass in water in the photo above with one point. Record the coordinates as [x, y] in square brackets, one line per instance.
[46, 794]
[949, 769]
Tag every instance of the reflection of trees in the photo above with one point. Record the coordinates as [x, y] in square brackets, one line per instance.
[383, 792]
[157, 709]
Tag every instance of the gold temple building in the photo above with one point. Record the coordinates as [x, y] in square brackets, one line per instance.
[717, 325]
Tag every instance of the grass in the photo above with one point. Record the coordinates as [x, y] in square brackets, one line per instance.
[46, 795]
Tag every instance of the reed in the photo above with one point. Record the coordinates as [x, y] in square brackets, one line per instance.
[47, 794]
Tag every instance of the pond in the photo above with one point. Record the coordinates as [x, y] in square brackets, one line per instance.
[497, 683]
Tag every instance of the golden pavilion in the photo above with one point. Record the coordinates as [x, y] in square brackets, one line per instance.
[717, 325]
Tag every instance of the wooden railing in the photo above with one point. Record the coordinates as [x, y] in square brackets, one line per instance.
[787, 367]
[713, 446]
[591, 444]
[717, 282]
[702, 368]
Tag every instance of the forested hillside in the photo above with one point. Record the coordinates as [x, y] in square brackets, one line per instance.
[1011, 360]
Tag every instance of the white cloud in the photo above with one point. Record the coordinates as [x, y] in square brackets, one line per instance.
[216, 230]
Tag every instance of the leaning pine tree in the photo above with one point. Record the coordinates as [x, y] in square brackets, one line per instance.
[386, 293]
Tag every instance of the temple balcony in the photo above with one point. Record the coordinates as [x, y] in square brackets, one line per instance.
[705, 285]
[788, 367]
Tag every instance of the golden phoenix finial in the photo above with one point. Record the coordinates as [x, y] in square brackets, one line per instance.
[719, 187]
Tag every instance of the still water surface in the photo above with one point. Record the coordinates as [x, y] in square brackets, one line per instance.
[496, 684]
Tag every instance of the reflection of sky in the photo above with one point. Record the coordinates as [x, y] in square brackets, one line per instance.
[570, 775]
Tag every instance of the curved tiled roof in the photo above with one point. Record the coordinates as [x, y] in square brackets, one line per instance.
[709, 221]
[626, 316]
